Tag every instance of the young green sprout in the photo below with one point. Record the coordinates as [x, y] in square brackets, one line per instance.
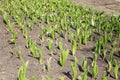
[30, 25]
[74, 47]
[20, 55]
[94, 70]
[47, 19]
[60, 45]
[22, 25]
[42, 34]
[25, 33]
[104, 54]
[104, 40]
[98, 47]
[116, 69]
[14, 37]
[29, 42]
[74, 68]
[93, 21]
[115, 43]
[22, 72]
[50, 44]
[10, 29]
[79, 42]
[63, 57]
[33, 49]
[105, 76]
[84, 76]
[48, 64]
[40, 51]
[84, 64]
[5, 17]
[110, 37]
[77, 32]
[95, 57]
[83, 38]
[111, 55]
[71, 37]
[109, 66]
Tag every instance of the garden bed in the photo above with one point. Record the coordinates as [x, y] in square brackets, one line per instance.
[57, 39]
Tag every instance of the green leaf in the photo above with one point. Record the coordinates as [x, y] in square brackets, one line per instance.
[117, 66]
[33, 49]
[63, 57]
[22, 72]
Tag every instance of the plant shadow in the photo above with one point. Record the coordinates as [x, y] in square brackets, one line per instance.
[81, 70]
[58, 62]
[34, 57]
[68, 75]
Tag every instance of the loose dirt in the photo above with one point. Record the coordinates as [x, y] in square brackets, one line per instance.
[108, 6]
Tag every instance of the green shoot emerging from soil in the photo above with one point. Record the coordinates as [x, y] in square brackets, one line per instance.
[109, 66]
[22, 72]
[60, 45]
[74, 46]
[74, 68]
[84, 64]
[40, 51]
[33, 49]
[50, 44]
[20, 55]
[63, 57]
[84, 76]
[105, 76]
[116, 69]
[48, 64]
[94, 70]
[14, 37]
[5, 17]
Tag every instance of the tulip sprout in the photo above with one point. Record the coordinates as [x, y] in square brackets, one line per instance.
[116, 69]
[84, 76]
[5, 17]
[22, 72]
[29, 42]
[60, 45]
[20, 55]
[63, 57]
[48, 64]
[74, 68]
[40, 51]
[84, 64]
[105, 76]
[50, 44]
[74, 46]
[14, 37]
[33, 49]
[94, 70]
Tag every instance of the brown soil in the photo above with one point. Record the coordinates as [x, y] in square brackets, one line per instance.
[109, 6]
[9, 62]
